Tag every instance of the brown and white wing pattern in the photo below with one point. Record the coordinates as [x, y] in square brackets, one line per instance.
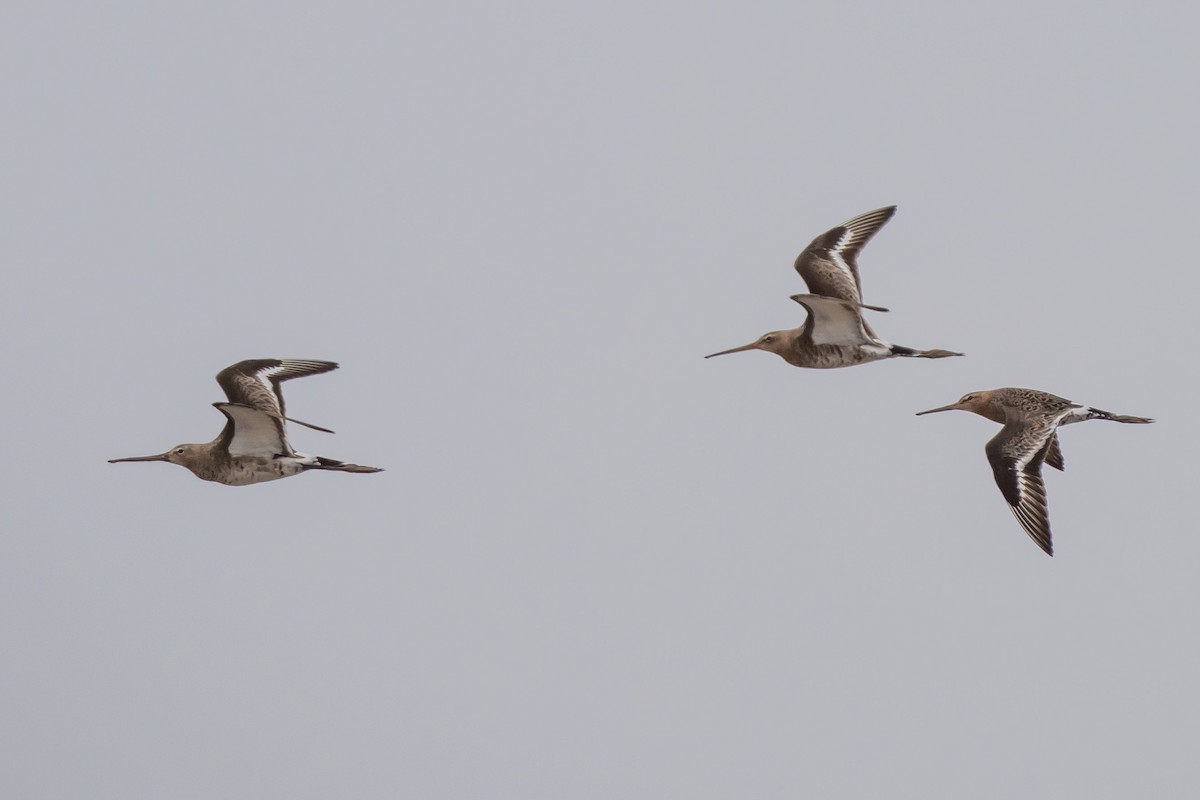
[255, 383]
[1016, 455]
[829, 265]
[253, 432]
[833, 321]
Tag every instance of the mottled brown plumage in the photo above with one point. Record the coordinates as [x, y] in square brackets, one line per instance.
[1029, 438]
[253, 445]
[835, 334]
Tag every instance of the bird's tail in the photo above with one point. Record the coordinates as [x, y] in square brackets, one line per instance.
[1095, 413]
[908, 352]
[340, 466]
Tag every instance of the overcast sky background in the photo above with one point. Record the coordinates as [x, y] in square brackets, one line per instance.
[597, 566]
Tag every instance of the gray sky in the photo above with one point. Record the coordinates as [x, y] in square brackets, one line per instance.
[598, 566]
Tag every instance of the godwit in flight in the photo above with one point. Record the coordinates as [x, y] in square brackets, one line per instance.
[836, 335]
[253, 445]
[1031, 419]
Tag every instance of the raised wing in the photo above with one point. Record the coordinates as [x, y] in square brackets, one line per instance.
[255, 383]
[253, 432]
[833, 321]
[1016, 454]
[829, 265]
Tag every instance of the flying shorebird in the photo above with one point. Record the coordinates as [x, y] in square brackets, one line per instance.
[253, 445]
[842, 338]
[1029, 437]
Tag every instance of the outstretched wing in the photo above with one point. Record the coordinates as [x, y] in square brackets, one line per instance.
[253, 431]
[829, 265]
[1016, 454]
[833, 321]
[255, 383]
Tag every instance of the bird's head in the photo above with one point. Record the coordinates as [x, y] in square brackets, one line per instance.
[777, 342]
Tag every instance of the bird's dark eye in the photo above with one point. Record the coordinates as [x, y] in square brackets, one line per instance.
[178, 451]
[768, 339]
[968, 398]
